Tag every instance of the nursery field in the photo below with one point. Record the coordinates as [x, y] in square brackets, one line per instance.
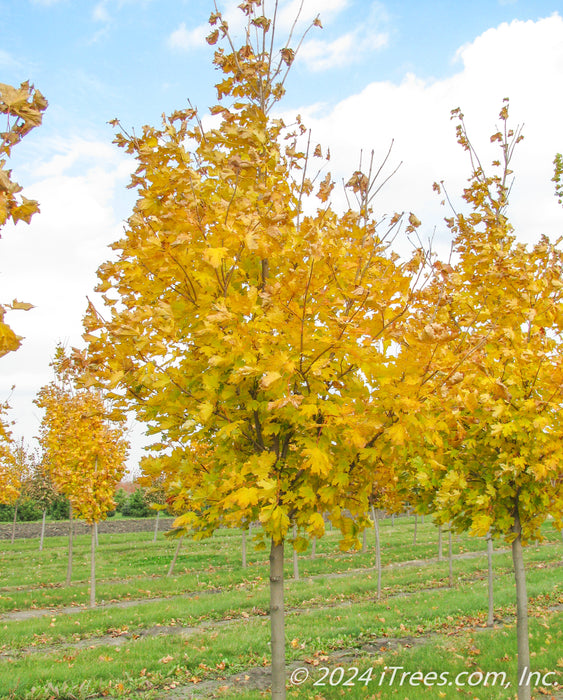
[204, 631]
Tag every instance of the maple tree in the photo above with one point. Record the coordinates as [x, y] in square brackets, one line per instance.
[23, 463]
[41, 490]
[83, 444]
[248, 335]
[10, 484]
[23, 107]
[494, 349]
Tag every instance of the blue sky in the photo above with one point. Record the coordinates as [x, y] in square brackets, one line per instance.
[114, 58]
[390, 69]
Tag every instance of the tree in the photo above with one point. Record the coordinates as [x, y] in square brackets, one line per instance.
[10, 484]
[23, 467]
[495, 347]
[137, 505]
[41, 490]
[23, 107]
[84, 454]
[155, 496]
[244, 332]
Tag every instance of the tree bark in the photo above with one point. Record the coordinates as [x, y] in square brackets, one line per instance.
[156, 526]
[450, 558]
[524, 689]
[375, 518]
[295, 559]
[42, 530]
[14, 523]
[244, 549]
[277, 620]
[173, 562]
[491, 608]
[70, 538]
[93, 566]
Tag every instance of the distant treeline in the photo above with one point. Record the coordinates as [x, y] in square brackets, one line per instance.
[132, 505]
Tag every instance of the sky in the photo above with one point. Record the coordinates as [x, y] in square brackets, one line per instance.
[377, 73]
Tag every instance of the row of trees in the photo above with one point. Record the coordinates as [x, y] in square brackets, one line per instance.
[137, 504]
[83, 449]
[292, 367]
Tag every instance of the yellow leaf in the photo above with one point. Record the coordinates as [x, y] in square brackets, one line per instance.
[396, 434]
[205, 410]
[247, 496]
[318, 461]
[269, 378]
[24, 306]
[316, 526]
[214, 256]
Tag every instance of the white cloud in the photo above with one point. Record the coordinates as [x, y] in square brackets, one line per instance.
[348, 48]
[53, 261]
[320, 54]
[416, 114]
[186, 39]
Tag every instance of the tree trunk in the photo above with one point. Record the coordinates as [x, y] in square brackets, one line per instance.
[96, 534]
[375, 518]
[42, 530]
[244, 549]
[415, 527]
[491, 608]
[14, 523]
[440, 553]
[173, 562]
[277, 620]
[450, 558]
[70, 538]
[314, 548]
[93, 566]
[524, 690]
[295, 560]
[156, 526]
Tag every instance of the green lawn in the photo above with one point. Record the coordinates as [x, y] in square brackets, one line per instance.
[204, 632]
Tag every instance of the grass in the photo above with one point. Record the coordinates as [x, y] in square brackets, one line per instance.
[195, 632]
